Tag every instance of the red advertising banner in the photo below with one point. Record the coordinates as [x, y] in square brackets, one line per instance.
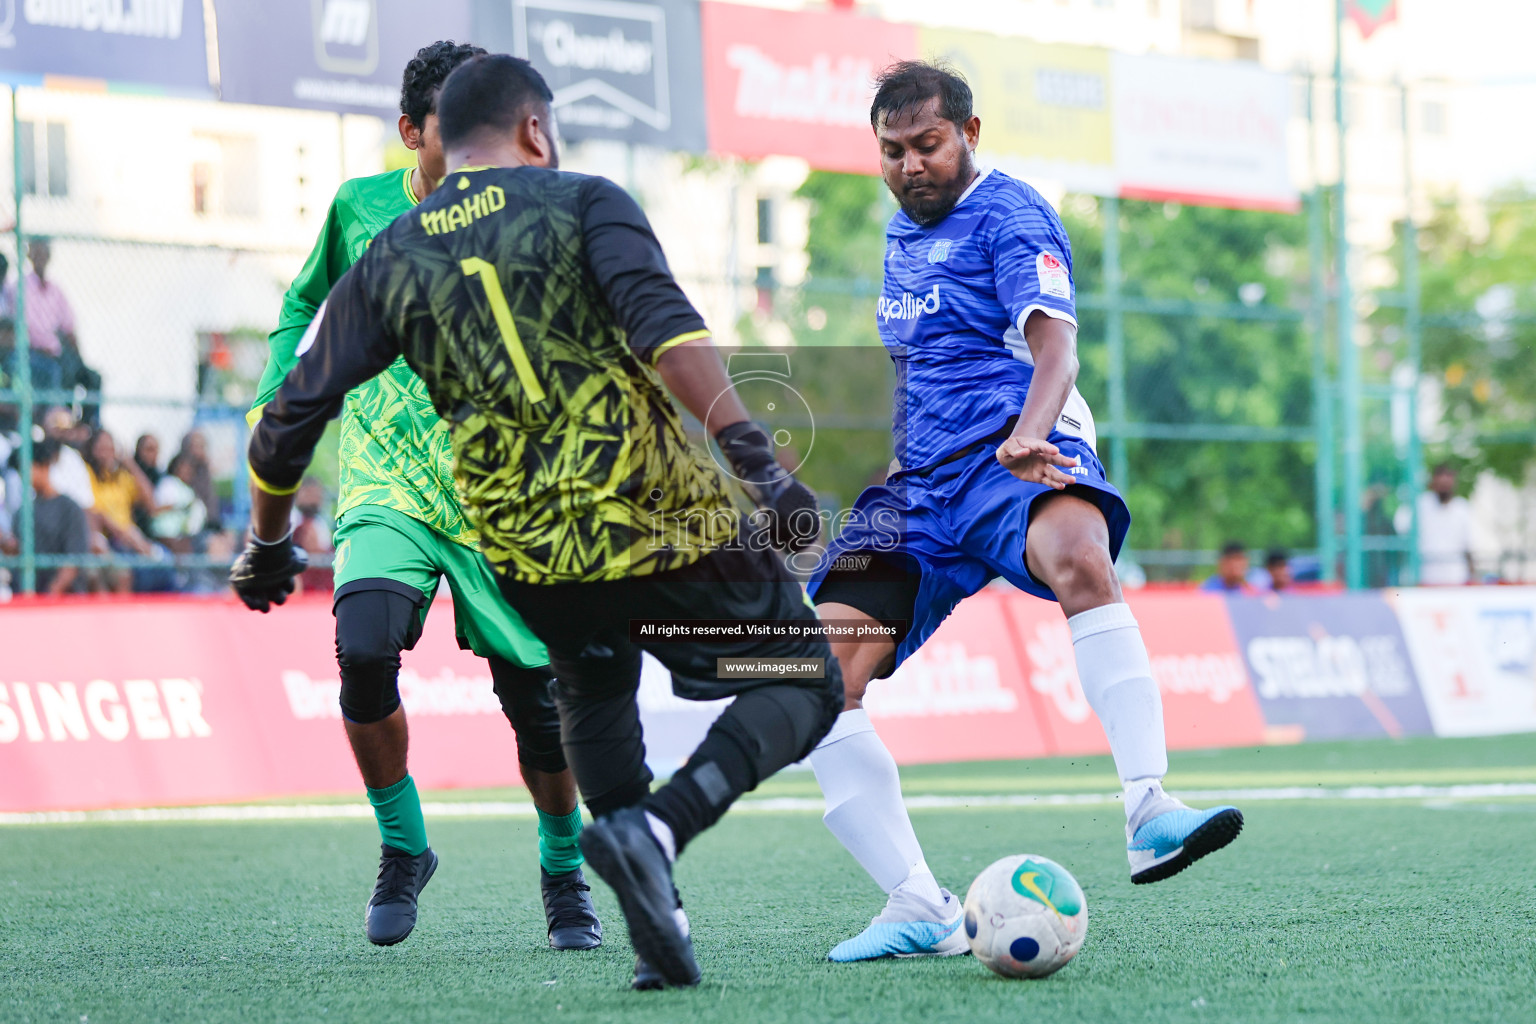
[796, 83]
[172, 702]
[169, 701]
[961, 696]
[1207, 699]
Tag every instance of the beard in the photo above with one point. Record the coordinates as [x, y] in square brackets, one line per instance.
[926, 202]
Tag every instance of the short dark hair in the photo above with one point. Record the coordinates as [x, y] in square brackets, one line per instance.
[46, 451]
[1233, 547]
[1277, 556]
[426, 73]
[1442, 467]
[492, 92]
[907, 86]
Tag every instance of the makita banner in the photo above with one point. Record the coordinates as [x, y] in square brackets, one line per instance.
[141, 42]
[797, 83]
[1330, 667]
[341, 55]
[627, 70]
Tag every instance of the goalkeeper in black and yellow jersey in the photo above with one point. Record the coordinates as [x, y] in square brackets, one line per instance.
[538, 309]
[400, 530]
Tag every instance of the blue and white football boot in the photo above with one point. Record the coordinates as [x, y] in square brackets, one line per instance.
[909, 926]
[1164, 836]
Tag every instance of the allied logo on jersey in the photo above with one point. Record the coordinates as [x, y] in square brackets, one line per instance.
[940, 251]
[1055, 279]
[908, 306]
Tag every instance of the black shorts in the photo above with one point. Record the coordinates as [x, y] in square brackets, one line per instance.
[585, 622]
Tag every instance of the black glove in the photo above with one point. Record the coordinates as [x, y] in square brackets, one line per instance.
[792, 515]
[263, 574]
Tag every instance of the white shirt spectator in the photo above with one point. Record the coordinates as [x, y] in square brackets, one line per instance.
[184, 515]
[1445, 540]
[71, 477]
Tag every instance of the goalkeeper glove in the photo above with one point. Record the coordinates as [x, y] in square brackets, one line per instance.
[788, 506]
[263, 574]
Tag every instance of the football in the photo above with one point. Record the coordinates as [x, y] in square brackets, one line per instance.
[1025, 916]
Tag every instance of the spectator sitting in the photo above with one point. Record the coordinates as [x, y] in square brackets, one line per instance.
[59, 525]
[1278, 565]
[120, 487]
[1231, 571]
[312, 532]
[10, 414]
[195, 447]
[71, 476]
[50, 320]
[146, 455]
[179, 513]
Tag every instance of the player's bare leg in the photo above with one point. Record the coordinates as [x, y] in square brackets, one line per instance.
[1067, 549]
[866, 813]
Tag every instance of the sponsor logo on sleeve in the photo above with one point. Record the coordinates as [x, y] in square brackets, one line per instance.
[1055, 281]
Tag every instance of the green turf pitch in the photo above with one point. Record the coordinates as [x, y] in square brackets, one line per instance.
[1324, 910]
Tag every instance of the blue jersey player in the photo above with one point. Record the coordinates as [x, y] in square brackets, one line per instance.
[997, 476]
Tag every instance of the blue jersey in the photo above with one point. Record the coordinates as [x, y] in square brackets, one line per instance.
[952, 312]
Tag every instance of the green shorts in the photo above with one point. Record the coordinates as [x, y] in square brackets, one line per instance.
[374, 543]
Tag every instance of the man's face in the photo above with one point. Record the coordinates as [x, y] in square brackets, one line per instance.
[429, 150]
[926, 161]
[1443, 483]
[42, 482]
[1280, 575]
[39, 254]
[1233, 569]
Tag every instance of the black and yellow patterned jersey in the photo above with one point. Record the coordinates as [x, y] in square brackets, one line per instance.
[532, 303]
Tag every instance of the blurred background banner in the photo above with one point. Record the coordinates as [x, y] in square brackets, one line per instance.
[622, 71]
[147, 44]
[1332, 667]
[340, 55]
[1199, 131]
[796, 83]
[1046, 110]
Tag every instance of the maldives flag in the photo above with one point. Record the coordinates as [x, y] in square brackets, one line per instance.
[1370, 15]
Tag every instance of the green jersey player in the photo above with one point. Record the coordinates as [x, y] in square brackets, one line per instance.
[401, 529]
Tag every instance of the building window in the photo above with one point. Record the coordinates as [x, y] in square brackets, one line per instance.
[44, 159]
[1434, 118]
[765, 221]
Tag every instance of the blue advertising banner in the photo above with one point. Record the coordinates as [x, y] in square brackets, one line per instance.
[139, 42]
[626, 70]
[341, 55]
[1334, 667]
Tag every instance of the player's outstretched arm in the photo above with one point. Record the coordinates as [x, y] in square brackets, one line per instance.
[346, 345]
[666, 331]
[1028, 454]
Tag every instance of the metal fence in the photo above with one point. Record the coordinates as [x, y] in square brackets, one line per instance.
[1316, 404]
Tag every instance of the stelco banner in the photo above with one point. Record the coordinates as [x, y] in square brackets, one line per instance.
[627, 70]
[144, 42]
[341, 55]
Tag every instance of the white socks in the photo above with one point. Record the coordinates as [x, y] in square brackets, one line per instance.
[865, 811]
[663, 833]
[1116, 674]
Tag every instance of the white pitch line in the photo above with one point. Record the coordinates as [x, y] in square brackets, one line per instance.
[514, 809]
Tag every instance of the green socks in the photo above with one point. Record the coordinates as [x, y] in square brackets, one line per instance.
[398, 809]
[558, 849]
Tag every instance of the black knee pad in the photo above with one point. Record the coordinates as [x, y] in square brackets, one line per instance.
[372, 628]
[776, 726]
[528, 700]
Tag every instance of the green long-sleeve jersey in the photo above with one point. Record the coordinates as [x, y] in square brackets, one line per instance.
[395, 449]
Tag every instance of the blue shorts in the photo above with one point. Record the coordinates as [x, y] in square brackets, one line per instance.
[938, 535]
